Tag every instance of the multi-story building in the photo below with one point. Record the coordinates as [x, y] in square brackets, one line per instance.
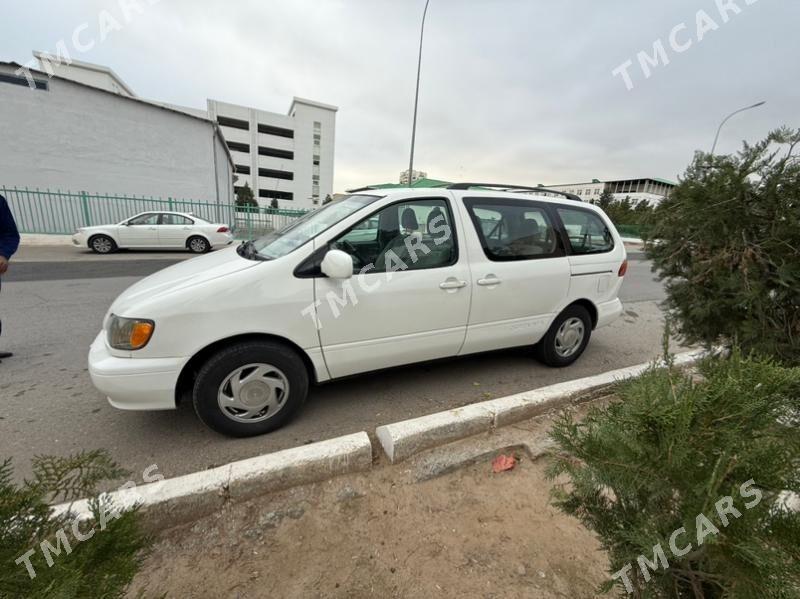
[283, 157]
[651, 190]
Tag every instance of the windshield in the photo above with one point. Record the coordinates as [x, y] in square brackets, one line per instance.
[281, 242]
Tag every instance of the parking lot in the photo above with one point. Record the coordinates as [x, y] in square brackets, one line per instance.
[54, 299]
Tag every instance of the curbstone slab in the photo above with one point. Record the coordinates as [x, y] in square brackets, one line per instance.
[401, 440]
[173, 501]
[299, 466]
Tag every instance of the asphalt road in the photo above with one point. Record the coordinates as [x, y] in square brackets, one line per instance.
[52, 312]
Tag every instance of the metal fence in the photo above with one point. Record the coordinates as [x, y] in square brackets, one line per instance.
[63, 212]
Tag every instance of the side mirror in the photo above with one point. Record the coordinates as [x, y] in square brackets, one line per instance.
[337, 265]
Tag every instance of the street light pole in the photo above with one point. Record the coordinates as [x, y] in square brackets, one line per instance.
[416, 96]
[725, 120]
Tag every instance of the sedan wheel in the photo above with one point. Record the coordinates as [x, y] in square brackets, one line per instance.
[198, 245]
[569, 337]
[102, 244]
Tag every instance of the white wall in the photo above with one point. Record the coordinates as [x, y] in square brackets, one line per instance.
[75, 138]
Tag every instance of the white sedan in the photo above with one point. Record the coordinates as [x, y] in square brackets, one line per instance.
[155, 230]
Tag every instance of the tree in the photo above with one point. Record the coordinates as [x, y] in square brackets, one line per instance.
[274, 204]
[328, 199]
[97, 564]
[670, 472]
[245, 198]
[606, 199]
[726, 244]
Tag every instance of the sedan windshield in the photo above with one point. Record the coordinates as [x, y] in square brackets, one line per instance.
[281, 242]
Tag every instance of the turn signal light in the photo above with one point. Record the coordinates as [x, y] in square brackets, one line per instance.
[623, 268]
[223, 230]
[140, 334]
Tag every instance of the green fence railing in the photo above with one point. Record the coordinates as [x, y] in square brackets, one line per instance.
[631, 230]
[63, 212]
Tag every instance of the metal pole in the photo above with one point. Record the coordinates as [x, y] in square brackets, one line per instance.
[416, 96]
[725, 120]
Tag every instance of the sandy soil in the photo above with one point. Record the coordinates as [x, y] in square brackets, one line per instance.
[470, 533]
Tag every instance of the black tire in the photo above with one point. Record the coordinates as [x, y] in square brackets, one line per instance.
[198, 245]
[102, 244]
[550, 352]
[209, 385]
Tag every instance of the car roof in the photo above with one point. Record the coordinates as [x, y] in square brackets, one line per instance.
[187, 214]
[477, 193]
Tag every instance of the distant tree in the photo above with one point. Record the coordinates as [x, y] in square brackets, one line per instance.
[245, 198]
[606, 199]
[328, 199]
[274, 204]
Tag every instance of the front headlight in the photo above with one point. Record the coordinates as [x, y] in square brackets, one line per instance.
[129, 333]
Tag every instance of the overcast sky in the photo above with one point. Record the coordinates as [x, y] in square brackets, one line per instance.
[513, 91]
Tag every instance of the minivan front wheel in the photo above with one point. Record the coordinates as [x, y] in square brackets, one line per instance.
[250, 388]
[566, 338]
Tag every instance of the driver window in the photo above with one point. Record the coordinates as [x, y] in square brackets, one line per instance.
[144, 219]
[406, 236]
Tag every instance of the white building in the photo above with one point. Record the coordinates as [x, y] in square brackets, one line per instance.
[651, 190]
[415, 176]
[85, 131]
[284, 157]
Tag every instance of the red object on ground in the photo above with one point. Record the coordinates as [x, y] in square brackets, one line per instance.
[503, 462]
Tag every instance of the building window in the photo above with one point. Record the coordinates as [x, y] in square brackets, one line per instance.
[235, 146]
[275, 194]
[234, 123]
[317, 125]
[16, 80]
[316, 160]
[275, 153]
[279, 131]
[275, 174]
[242, 169]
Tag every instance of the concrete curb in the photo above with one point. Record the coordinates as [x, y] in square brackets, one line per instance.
[34, 239]
[177, 500]
[401, 440]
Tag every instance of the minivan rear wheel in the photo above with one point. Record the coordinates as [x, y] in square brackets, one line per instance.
[566, 338]
[250, 388]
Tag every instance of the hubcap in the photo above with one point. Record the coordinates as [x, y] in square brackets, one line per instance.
[253, 393]
[198, 245]
[102, 245]
[569, 337]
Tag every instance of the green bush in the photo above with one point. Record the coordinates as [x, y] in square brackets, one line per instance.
[100, 566]
[669, 450]
[727, 245]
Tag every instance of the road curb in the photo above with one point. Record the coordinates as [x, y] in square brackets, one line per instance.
[173, 501]
[401, 440]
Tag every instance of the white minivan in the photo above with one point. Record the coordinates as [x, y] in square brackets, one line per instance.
[376, 279]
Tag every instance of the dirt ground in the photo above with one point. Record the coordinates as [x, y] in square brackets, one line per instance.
[469, 533]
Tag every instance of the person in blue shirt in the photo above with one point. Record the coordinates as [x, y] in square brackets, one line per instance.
[9, 242]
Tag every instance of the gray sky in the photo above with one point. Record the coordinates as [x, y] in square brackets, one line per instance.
[513, 91]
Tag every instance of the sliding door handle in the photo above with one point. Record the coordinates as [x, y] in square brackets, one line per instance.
[452, 284]
[488, 281]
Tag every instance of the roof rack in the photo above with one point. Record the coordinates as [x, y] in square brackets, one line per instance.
[367, 188]
[503, 186]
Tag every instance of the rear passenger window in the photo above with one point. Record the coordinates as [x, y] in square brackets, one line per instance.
[587, 232]
[513, 229]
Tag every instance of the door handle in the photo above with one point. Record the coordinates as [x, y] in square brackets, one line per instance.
[452, 284]
[152, 229]
[489, 281]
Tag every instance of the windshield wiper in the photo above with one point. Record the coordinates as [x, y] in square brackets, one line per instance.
[247, 249]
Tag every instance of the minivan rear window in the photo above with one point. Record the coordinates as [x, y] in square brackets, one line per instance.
[279, 243]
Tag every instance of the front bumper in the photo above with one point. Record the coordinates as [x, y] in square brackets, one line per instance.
[79, 240]
[608, 312]
[134, 383]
